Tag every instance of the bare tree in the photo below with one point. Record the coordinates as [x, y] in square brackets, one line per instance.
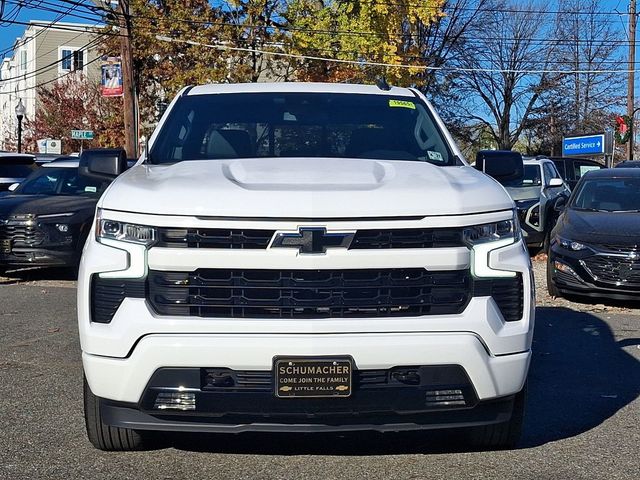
[581, 101]
[504, 69]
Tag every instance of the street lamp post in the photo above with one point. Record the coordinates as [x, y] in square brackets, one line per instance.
[20, 112]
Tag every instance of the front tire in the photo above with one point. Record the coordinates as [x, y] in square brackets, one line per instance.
[551, 287]
[105, 437]
[499, 436]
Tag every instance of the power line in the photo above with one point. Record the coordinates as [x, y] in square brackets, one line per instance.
[390, 65]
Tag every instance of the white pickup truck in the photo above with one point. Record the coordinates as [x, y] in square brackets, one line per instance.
[302, 258]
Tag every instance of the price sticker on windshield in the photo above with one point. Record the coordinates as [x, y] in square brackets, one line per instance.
[402, 104]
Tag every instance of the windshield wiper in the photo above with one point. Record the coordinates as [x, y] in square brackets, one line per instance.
[591, 210]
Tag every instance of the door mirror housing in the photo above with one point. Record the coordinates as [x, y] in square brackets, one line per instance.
[103, 163]
[13, 186]
[503, 165]
[555, 182]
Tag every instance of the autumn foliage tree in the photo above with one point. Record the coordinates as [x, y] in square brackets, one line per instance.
[75, 103]
[360, 32]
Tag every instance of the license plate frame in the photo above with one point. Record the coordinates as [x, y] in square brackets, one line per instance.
[314, 383]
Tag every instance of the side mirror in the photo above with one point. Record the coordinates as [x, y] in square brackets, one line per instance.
[555, 182]
[503, 165]
[13, 186]
[103, 163]
[561, 204]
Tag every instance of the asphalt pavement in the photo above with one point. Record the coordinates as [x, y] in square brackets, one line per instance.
[583, 413]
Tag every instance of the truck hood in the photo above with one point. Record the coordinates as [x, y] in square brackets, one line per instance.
[304, 188]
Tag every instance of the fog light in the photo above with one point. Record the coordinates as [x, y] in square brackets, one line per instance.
[175, 401]
[445, 398]
[62, 227]
[564, 268]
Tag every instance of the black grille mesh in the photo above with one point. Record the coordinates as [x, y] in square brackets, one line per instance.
[308, 293]
[616, 270]
[325, 293]
[315, 294]
[21, 235]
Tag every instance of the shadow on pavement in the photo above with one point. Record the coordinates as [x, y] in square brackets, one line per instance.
[580, 376]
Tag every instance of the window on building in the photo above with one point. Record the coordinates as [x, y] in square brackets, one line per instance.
[71, 59]
[66, 60]
[23, 60]
[78, 60]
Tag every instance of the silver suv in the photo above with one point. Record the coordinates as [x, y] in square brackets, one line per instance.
[535, 196]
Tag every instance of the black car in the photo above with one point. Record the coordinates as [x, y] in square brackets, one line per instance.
[629, 164]
[14, 168]
[47, 218]
[595, 246]
[572, 169]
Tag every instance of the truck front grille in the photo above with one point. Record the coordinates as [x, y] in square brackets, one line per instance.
[308, 293]
[407, 292]
[260, 239]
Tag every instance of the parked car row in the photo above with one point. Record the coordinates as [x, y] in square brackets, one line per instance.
[591, 232]
[46, 211]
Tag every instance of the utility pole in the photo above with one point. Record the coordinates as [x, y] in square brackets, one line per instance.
[128, 81]
[632, 76]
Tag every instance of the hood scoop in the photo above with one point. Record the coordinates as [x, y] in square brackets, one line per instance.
[308, 174]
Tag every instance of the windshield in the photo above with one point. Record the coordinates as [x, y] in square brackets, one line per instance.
[59, 181]
[250, 125]
[532, 178]
[16, 170]
[608, 195]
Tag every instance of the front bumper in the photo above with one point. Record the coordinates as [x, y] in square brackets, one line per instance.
[577, 280]
[129, 387]
[125, 379]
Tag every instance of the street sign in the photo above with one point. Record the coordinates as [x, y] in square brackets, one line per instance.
[81, 134]
[584, 145]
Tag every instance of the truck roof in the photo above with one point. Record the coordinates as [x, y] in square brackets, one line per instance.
[296, 87]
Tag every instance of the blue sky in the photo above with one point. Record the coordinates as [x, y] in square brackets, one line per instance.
[9, 33]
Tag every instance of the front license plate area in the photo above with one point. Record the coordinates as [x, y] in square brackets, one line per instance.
[313, 377]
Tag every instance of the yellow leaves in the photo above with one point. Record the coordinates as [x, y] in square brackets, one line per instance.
[382, 31]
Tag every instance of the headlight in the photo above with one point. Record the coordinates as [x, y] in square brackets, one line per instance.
[571, 245]
[492, 232]
[483, 239]
[123, 231]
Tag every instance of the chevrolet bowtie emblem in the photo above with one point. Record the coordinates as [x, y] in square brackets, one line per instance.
[310, 240]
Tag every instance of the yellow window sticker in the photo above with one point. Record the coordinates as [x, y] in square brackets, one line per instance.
[402, 104]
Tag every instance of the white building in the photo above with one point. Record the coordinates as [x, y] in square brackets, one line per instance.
[43, 54]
